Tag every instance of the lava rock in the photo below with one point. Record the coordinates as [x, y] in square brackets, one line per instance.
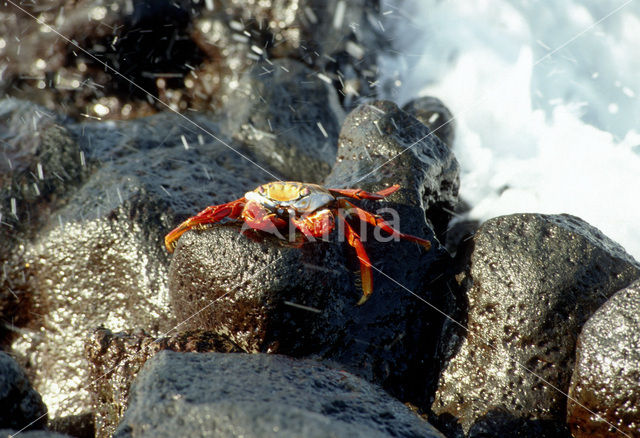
[299, 129]
[188, 54]
[298, 298]
[100, 259]
[381, 144]
[532, 282]
[215, 394]
[40, 165]
[20, 405]
[116, 358]
[435, 115]
[605, 379]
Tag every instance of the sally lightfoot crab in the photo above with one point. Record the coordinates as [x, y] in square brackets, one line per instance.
[311, 208]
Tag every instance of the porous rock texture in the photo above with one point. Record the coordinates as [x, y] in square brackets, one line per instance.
[605, 386]
[258, 395]
[85, 204]
[298, 297]
[532, 282]
[116, 358]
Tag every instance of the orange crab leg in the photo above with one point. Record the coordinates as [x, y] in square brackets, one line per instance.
[361, 194]
[378, 221]
[209, 215]
[365, 264]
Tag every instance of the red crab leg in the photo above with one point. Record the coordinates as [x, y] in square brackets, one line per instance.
[209, 215]
[378, 221]
[365, 264]
[361, 194]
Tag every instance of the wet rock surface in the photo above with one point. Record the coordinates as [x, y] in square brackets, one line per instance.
[20, 404]
[381, 144]
[435, 115]
[256, 300]
[260, 395]
[116, 358]
[188, 54]
[85, 206]
[532, 282]
[299, 140]
[605, 379]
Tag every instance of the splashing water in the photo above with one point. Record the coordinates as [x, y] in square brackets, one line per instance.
[545, 96]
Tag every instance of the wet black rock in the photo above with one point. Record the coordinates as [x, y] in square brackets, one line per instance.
[216, 394]
[435, 115]
[39, 167]
[300, 298]
[20, 405]
[296, 132]
[381, 144]
[100, 258]
[188, 54]
[606, 378]
[532, 282]
[116, 358]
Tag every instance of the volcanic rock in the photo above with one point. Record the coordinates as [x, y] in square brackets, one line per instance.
[214, 394]
[532, 282]
[20, 405]
[606, 378]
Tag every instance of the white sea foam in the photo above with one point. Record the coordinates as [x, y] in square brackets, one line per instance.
[545, 99]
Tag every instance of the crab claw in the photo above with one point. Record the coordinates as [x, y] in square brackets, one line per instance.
[209, 215]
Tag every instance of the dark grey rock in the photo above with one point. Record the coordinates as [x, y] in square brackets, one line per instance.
[606, 378]
[435, 115]
[100, 259]
[116, 358]
[259, 395]
[296, 132]
[247, 286]
[20, 405]
[532, 282]
[39, 167]
[382, 145]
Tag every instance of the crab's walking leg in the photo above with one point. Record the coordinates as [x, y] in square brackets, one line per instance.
[365, 264]
[361, 194]
[378, 221]
[209, 215]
